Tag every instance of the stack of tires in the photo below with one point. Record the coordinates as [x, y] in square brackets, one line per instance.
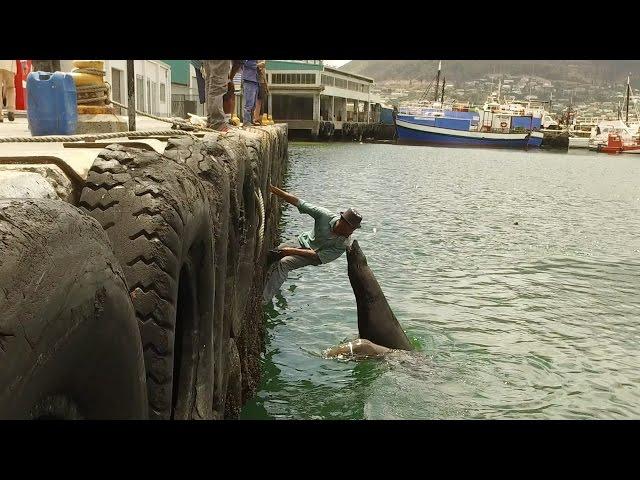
[144, 302]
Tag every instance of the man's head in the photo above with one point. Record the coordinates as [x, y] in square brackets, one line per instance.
[348, 223]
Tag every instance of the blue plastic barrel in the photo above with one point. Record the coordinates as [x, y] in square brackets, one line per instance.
[51, 104]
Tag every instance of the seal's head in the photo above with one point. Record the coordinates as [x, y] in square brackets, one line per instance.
[355, 257]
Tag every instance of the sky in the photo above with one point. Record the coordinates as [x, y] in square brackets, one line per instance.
[336, 63]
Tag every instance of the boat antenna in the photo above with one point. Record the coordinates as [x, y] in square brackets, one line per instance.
[435, 99]
[627, 106]
[444, 81]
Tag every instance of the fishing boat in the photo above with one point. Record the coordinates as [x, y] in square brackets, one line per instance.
[581, 132]
[618, 136]
[605, 128]
[494, 125]
[579, 129]
[615, 144]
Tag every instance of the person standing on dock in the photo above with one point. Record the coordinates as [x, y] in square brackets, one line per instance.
[263, 91]
[250, 87]
[328, 240]
[218, 75]
[8, 69]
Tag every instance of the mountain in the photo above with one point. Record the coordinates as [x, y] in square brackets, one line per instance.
[582, 71]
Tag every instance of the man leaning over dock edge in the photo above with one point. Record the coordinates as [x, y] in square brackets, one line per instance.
[328, 240]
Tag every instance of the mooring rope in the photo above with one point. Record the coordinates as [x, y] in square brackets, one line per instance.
[167, 120]
[94, 136]
[258, 194]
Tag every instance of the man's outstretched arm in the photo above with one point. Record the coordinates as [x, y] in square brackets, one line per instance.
[303, 207]
[287, 197]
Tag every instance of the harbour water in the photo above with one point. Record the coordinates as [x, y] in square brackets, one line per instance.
[515, 274]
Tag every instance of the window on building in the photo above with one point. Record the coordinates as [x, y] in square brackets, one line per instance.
[148, 110]
[293, 78]
[140, 93]
[291, 107]
[163, 93]
[154, 98]
[327, 80]
[116, 77]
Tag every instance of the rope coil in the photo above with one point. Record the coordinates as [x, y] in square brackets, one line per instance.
[90, 93]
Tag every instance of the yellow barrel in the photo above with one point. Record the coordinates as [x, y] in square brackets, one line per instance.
[96, 64]
[83, 79]
[95, 110]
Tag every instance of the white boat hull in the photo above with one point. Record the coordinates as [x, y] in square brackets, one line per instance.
[578, 142]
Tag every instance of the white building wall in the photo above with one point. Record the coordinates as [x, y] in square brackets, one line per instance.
[154, 70]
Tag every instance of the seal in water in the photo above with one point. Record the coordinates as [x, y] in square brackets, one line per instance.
[376, 321]
[358, 348]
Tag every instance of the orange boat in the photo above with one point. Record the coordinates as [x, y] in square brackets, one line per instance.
[616, 145]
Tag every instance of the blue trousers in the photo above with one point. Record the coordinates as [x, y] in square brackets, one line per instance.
[250, 94]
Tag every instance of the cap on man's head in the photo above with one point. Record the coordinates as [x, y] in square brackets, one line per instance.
[352, 217]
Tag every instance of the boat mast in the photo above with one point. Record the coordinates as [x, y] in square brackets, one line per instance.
[619, 110]
[435, 99]
[444, 81]
[627, 101]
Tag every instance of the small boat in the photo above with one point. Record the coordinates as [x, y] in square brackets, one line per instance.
[605, 128]
[581, 132]
[494, 125]
[615, 144]
[617, 136]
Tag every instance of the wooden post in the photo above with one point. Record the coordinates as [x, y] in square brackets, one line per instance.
[131, 90]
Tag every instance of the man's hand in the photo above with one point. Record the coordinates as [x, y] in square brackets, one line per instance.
[287, 197]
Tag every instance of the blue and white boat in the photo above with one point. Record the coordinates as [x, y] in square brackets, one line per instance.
[476, 130]
[495, 125]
